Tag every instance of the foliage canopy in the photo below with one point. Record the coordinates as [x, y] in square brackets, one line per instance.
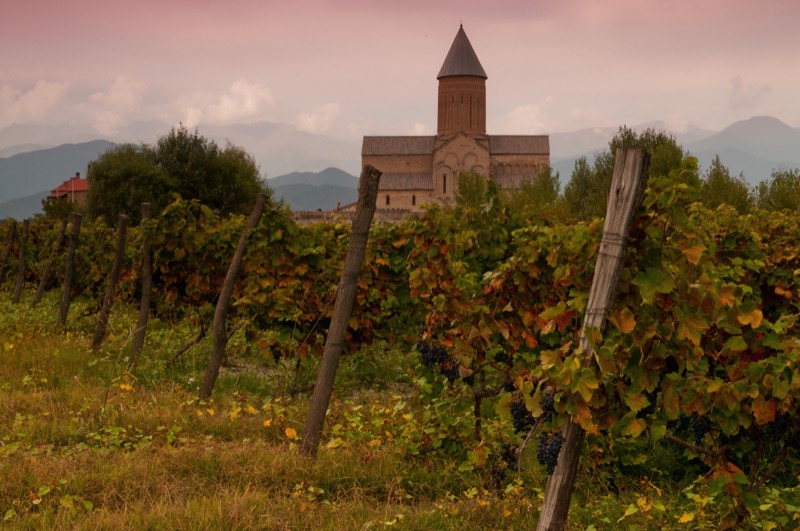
[180, 164]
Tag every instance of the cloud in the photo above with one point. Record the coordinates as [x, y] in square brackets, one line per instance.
[244, 101]
[318, 120]
[111, 108]
[677, 122]
[123, 95]
[421, 129]
[746, 97]
[525, 119]
[35, 105]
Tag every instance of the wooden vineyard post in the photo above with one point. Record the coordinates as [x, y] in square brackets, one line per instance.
[66, 287]
[223, 303]
[9, 246]
[113, 279]
[147, 289]
[48, 267]
[342, 309]
[26, 229]
[627, 191]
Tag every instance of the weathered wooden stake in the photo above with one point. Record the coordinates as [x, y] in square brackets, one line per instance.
[48, 267]
[9, 246]
[627, 191]
[26, 229]
[66, 287]
[113, 279]
[147, 290]
[223, 303]
[342, 309]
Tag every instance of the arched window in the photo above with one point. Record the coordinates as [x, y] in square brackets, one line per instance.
[444, 184]
[413, 200]
[387, 199]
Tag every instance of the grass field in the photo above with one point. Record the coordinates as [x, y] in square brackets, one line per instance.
[85, 444]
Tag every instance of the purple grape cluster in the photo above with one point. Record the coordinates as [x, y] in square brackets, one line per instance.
[547, 451]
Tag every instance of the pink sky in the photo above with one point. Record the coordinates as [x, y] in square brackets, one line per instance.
[360, 67]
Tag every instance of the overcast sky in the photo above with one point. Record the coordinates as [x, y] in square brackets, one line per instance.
[354, 67]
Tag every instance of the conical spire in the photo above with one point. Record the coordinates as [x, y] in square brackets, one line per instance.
[461, 60]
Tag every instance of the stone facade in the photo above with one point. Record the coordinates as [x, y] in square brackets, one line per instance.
[421, 169]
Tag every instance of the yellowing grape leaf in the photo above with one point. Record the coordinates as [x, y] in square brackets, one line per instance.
[291, 433]
[686, 517]
[584, 383]
[735, 344]
[334, 443]
[652, 282]
[726, 296]
[693, 253]
[583, 416]
[753, 318]
[691, 327]
[764, 410]
[635, 428]
[479, 455]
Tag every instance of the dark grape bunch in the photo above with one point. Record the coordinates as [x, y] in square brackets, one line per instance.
[520, 416]
[430, 355]
[509, 453]
[699, 426]
[449, 371]
[498, 477]
[548, 405]
[547, 451]
[438, 356]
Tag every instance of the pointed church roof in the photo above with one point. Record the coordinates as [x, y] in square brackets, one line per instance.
[461, 60]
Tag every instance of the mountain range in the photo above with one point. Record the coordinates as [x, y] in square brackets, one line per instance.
[36, 159]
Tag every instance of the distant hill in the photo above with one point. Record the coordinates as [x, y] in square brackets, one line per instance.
[315, 191]
[34, 172]
[754, 147]
[22, 207]
[329, 176]
[277, 148]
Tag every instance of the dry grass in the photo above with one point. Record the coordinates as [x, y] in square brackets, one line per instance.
[86, 445]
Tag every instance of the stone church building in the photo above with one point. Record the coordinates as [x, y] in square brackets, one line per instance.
[422, 169]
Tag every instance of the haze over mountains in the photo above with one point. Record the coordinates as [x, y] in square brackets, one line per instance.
[319, 172]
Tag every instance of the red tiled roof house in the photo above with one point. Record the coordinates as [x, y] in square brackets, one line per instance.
[73, 190]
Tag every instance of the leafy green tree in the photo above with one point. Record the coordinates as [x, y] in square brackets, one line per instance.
[180, 164]
[58, 208]
[781, 192]
[123, 178]
[720, 187]
[586, 195]
[471, 190]
[582, 193]
[539, 196]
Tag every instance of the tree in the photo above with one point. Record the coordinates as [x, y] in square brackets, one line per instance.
[781, 192]
[180, 164]
[582, 195]
[719, 187]
[539, 196]
[123, 178]
[59, 208]
[471, 190]
[586, 195]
